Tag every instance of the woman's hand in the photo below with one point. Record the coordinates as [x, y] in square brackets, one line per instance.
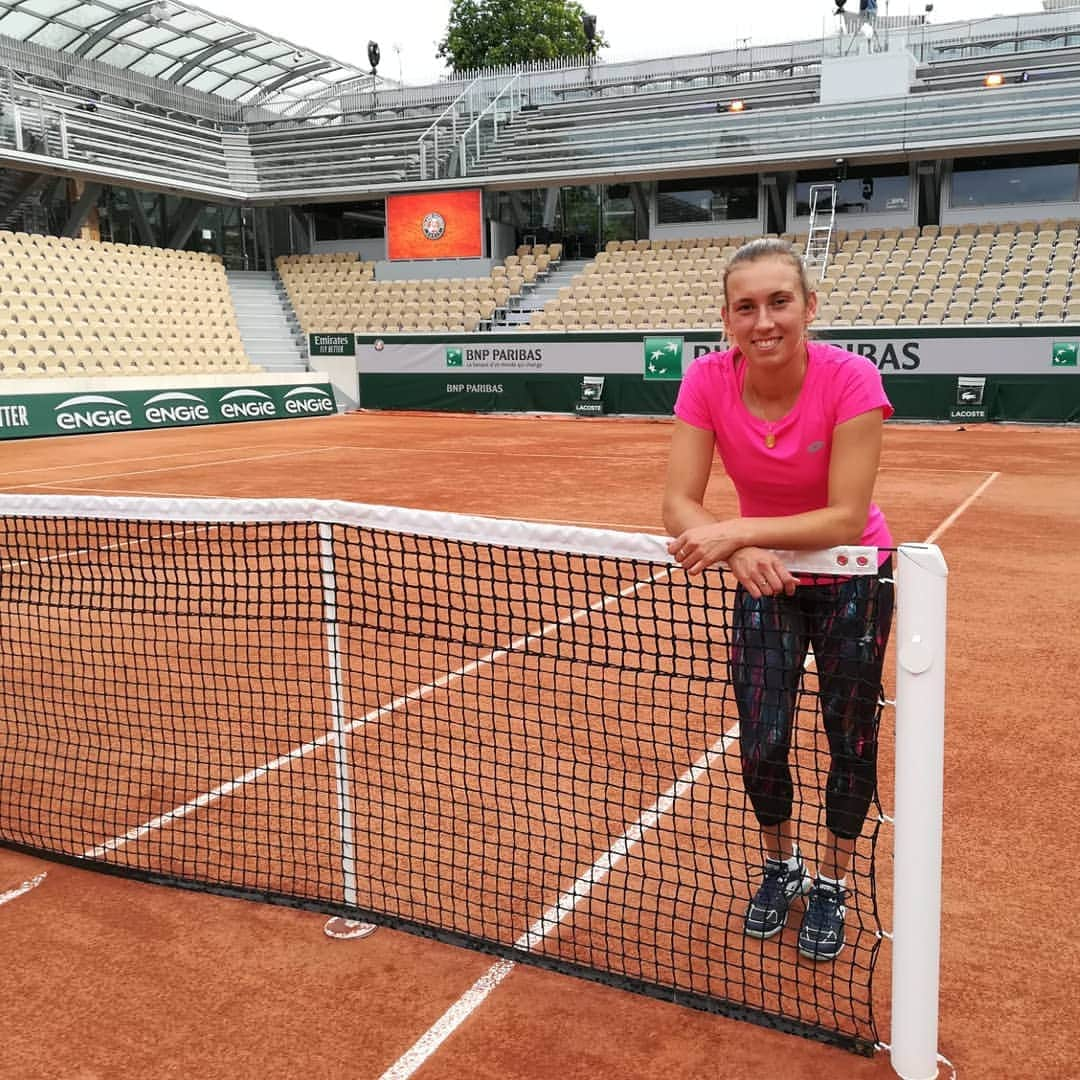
[703, 546]
[761, 572]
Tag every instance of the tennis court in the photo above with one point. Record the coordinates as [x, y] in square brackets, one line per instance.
[112, 977]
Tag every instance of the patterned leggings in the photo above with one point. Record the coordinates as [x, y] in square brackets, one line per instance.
[847, 622]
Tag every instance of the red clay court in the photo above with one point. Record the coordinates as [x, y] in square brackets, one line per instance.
[112, 978]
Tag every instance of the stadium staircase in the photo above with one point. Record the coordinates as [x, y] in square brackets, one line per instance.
[21, 209]
[268, 326]
[522, 311]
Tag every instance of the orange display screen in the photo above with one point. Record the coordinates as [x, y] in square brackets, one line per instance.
[435, 225]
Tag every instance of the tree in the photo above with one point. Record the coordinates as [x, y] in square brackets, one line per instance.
[493, 33]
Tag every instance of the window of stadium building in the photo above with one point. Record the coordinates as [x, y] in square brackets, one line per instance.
[885, 190]
[701, 202]
[1005, 181]
[349, 221]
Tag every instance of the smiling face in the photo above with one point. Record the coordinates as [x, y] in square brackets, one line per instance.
[767, 311]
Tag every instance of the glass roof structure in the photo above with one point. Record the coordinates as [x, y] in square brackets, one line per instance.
[179, 44]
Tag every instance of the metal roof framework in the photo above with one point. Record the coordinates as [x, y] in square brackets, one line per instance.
[179, 44]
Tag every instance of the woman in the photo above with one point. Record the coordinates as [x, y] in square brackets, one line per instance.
[798, 427]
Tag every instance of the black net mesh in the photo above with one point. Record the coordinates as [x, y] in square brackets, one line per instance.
[529, 752]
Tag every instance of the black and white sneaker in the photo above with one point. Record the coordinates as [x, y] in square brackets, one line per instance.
[821, 936]
[768, 910]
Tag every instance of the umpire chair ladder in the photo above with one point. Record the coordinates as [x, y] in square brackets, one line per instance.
[822, 218]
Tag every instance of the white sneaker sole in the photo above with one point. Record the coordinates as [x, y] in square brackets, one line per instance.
[820, 958]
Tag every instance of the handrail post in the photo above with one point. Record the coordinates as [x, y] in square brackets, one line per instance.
[433, 130]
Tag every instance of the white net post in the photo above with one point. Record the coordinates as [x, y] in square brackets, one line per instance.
[337, 710]
[920, 739]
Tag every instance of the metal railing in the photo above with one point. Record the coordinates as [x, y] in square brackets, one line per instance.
[352, 157]
[449, 115]
[793, 137]
[145, 149]
[473, 137]
[544, 81]
[90, 75]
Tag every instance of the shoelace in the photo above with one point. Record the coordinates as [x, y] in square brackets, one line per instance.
[822, 907]
[773, 885]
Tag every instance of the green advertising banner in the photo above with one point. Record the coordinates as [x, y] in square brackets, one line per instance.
[663, 358]
[137, 410]
[343, 344]
[930, 373]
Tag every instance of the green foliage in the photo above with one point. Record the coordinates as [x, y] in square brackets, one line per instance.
[492, 33]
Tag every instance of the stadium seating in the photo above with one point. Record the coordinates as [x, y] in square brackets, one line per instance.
[72, 307]
[1011, 273]
[338, 292]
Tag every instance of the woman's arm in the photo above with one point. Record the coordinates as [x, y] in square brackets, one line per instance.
[701, 540]
[689, 466]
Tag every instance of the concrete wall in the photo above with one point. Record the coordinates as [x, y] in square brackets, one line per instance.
[847, 80]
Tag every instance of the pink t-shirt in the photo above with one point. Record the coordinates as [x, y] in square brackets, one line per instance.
[792, 477]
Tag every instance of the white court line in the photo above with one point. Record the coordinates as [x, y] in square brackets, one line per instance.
[433, 1038]
[445, 1026]
[627, 459]
[75, 553]
[419, 694]
[23, 889]
[445, 451]
[125, 493]
[951, 519]
[175, 468]
[132, 460]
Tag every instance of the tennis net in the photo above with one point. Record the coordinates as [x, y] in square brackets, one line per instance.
[514, 737]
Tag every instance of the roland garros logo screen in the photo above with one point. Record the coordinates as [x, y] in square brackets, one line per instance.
[434, 225]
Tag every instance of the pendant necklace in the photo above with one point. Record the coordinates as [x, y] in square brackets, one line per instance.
[770, 434]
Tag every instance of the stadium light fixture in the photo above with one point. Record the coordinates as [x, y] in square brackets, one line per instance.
[993, 79]
[588, 24]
